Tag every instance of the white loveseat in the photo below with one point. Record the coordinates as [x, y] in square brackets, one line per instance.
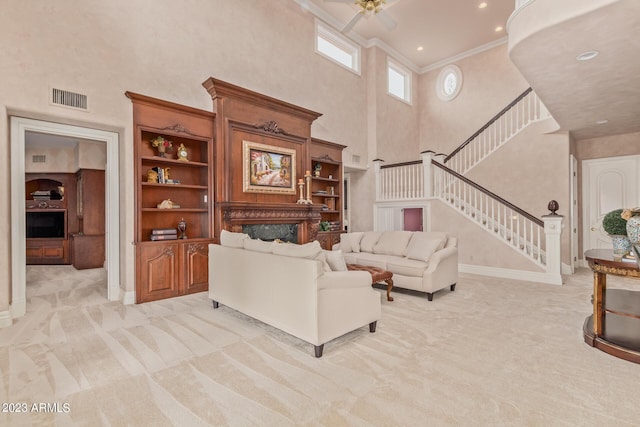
[291, 289]
[421, 261]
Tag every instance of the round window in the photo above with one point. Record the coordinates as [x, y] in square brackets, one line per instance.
[449, 82]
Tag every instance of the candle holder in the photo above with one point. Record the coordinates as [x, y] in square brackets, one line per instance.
[301, 200]
[308, 178]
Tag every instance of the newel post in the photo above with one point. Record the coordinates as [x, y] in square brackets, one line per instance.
[427, 158]
[377, 163]
[552, 232]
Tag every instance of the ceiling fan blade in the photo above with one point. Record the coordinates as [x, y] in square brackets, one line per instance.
[387, 20]
[353, 22]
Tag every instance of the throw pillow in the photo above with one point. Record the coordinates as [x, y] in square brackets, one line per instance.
[322, 257]
[393, 243]
[232, 240]
[350, 242]
[369, 240]
[335, 259]
[308, 250]
[258, 245]
[422, 246]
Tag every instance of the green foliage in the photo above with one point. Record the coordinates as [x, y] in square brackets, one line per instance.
[324, 226]
[614, 224]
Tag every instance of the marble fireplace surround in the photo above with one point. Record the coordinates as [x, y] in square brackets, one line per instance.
[306, 217]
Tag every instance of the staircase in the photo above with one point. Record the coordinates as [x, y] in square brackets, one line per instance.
[430, 178]
[500, 129]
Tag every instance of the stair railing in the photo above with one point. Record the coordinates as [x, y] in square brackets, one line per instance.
[520, 113]
[507, 221]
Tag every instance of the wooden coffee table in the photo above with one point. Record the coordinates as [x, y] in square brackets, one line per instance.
[378, 275]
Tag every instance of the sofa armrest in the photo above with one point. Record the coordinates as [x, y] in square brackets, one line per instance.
[446, 255]
[335, 247]
[344, 280]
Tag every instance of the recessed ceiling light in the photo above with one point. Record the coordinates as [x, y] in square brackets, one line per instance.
[482, 5]
[585, 56]
[420, 48]
[602, 122]
[498, 29]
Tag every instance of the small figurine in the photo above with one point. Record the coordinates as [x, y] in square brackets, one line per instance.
[152, 176]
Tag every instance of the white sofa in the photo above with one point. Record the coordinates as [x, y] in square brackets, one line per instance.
[293, 294]
[421, 261]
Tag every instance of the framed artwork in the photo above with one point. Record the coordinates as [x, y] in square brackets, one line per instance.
[267, 169]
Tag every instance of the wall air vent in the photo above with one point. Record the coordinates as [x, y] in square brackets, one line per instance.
[355, 159]
[38, 158]
[69, 99]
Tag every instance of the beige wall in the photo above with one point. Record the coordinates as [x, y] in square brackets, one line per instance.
[58, 159]
[490, 82]
[166, 49]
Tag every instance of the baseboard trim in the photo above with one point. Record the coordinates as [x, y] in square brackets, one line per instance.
[6, 319]
[18, 307]
[506, 273]
[128, 297]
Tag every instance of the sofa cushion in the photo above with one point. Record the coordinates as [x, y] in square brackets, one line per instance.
[422, 246]
[258, 245]
[336, 261]
[322, 257]
[351, 258]
[369, 240]
[308, 250]
[393, 243]
[407, 267]
[350, 242]
[232, 240]
[374, 260]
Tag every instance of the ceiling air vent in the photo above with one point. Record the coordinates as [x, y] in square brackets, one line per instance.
[39, 158]
[68, 99]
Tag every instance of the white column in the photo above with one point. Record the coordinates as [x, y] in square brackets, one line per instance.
[552, 232]
[376, 165]
[427, 184]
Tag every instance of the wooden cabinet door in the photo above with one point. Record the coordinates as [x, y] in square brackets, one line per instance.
[325, 240]
[196, 266]
[158, 275]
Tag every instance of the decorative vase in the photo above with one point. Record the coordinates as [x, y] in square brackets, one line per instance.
[633, 229]
[621, 245]
[161, 150]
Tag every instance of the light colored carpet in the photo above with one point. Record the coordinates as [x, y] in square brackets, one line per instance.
[492, 353]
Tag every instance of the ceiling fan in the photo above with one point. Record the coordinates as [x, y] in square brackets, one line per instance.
[369, 8]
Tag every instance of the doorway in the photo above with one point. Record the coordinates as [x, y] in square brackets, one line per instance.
[19, 127]
[607, 184]
[412, 219]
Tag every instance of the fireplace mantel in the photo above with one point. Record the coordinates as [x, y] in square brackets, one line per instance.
[237, 214]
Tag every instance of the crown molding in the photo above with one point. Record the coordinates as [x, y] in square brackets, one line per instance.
[376, 42]
[465, 54]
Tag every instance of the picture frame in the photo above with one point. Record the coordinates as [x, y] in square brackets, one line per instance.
[268, 169]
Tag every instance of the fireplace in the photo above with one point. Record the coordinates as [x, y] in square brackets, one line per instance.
[269, 221]
[271, 232]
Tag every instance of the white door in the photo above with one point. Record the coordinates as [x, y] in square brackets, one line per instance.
[608, 184]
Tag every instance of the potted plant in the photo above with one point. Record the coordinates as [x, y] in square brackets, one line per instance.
[616, 227]
[325, 226]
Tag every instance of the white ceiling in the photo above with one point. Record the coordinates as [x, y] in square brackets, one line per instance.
[578, 94]
[444, 28]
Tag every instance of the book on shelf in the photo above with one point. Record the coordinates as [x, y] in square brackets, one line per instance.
[162, 231]
[157, 237]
